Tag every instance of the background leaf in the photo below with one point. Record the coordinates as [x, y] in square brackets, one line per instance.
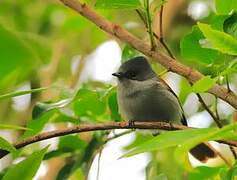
[27, 168]
[226, 6]
[15, 55]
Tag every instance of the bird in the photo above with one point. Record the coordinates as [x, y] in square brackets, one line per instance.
[145, 97]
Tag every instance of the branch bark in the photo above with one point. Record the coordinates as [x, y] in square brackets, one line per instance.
[103, 126]
[171, 64]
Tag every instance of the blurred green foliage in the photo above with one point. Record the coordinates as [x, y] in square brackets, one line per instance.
[38, 42]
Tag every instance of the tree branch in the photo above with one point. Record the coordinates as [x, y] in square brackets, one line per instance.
[171, 64]
[102, 126]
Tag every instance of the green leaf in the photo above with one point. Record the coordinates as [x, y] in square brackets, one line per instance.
[221, 41]
[27, 168]
[191, 48]
[230, 25]
[204, 172]
[36, 125]
[78, 174]
[218, 21]
[231, 69]
[117, 4]
[66, 170]
[140, 138]
[5, 145]
[20, 93]
[214, 134]
[15, 54]
[203, 84]
[41, 108]
[225, 6]
[72, 142]
[184, 90]
[113, 106]
[88, 103]
[166, 140]
[232, 172]
[14, 127]
[39, 44]
[56, 153]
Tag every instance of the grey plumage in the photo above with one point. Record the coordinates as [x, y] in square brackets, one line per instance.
[144, 93]
[142, 96]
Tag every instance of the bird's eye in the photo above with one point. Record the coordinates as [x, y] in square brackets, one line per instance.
[131, 74]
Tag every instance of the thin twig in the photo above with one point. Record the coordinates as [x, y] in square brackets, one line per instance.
[161, 21]
[103, 126]
[217, 121]
[142, 18]
[161, 39]
[149, 24]
[228, 83]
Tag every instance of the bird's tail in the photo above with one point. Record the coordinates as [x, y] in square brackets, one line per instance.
[203, 152]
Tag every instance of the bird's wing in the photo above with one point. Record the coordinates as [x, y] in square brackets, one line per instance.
[165, 85]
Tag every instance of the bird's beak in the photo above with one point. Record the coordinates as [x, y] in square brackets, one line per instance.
[118, 74]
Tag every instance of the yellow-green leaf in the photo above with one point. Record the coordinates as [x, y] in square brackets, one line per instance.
[220, 41]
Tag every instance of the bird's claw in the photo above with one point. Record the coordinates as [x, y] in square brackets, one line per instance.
[131, 123]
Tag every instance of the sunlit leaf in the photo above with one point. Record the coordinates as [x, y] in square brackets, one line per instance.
[204, 172]
[221, 41]
[167, 139]
[27, 168]
[203, 84]
[14, 127]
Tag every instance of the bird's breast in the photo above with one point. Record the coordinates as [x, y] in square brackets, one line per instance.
[148, 104]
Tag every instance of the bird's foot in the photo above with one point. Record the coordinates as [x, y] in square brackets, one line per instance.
[131, 123]
[171, 126]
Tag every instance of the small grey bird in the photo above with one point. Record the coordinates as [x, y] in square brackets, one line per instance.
[143, 96]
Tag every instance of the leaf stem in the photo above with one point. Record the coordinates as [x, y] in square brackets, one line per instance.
[20, 93]
[149, 24]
